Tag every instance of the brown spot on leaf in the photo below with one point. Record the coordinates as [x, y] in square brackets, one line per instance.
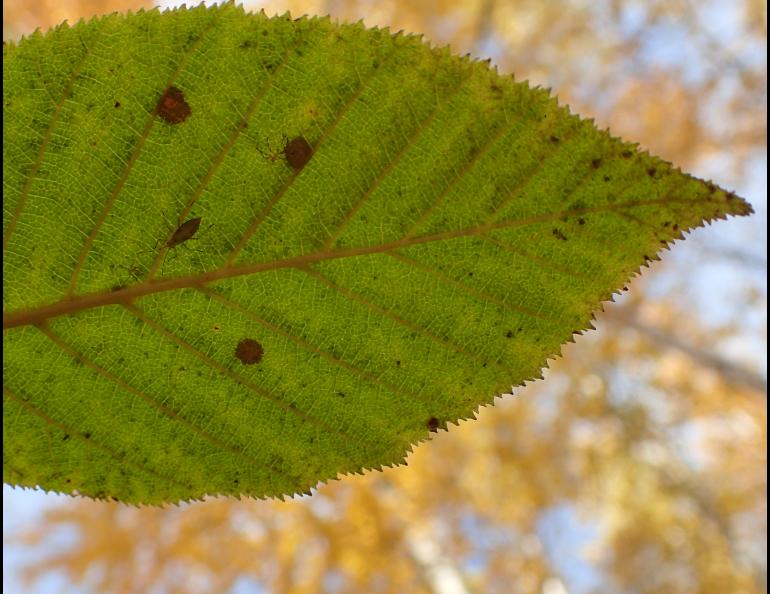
[554, 139]
[249, 351]
[596, 163]
[298, 152]
[559, 235]
[117, 104]
[581, 221]
[509, 334]
[627, 154]
[433, 424]
[172, 106]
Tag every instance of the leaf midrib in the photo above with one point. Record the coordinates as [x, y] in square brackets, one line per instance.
[37, 315]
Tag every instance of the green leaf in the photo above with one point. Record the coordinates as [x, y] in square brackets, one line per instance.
[245, 254]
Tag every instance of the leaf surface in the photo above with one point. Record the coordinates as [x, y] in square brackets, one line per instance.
[245, 254]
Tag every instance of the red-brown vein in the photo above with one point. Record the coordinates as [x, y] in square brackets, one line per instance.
[287, 184]
[547, 264]
[471, 290]
[90, 441]
[165, 409]
[309, 347]
[491, 141]
[224, 152]
[394, 161]
[23, 317]
[128, 168]
[237, 378]
[535, 169]
[398, 319]
[43, 146]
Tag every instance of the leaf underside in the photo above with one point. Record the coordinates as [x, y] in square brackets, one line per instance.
[389, 236]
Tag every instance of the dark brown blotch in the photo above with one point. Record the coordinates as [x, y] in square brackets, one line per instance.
[559, 235]
[249, 351]
[596, 163]
[184, 232]
[298, 152]
[172, 106]
[627, 154]
[433, 425]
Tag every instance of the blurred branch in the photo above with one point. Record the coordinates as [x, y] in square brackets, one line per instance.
[437, 569]
[485, 26]
[729, 370]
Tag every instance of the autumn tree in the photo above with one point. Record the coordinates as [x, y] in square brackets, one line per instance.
[638, 465]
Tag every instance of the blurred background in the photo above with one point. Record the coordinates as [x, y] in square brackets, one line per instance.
[638, 466]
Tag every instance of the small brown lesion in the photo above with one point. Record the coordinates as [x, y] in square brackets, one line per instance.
[249, 351]
[297, 152]
[172, 106]
[559, 235]
[433, 425]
